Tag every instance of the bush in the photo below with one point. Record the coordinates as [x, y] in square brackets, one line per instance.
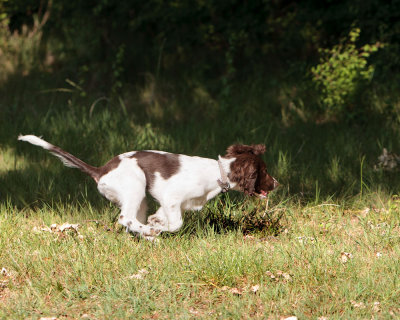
[341, 72]
[20, 50]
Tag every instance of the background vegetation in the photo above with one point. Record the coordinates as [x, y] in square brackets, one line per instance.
[317, 82]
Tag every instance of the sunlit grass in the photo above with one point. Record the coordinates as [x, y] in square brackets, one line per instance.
[94, 273]
[331, 201]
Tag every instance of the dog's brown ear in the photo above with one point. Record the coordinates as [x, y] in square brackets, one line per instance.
[236, 149]
[258, 149]
[244, 173]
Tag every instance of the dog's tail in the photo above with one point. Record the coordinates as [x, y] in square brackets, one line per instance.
[68, 159]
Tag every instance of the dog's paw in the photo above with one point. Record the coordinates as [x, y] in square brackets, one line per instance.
[152, 232]
[151, 239]
[155, 221]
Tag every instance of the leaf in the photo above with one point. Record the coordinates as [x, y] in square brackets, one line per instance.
[68, 226]
[376, 306]
[255, 288]
[4, 272]
[232, 290]
[193, 311]
[345, 256]
[236, 291]
[358, 305]
[139, 275]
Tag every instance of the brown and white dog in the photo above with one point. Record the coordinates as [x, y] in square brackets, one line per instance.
[178, 182]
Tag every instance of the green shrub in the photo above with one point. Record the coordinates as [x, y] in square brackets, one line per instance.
[20, 50]
[341, 72]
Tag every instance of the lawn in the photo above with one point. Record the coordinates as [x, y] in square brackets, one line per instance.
[322, 261]
[325, 246]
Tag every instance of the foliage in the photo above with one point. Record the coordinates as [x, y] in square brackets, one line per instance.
[19, 51]
[341, 72]
[99, 78]
[108, 46]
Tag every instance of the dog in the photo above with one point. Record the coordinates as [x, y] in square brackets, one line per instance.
[178, 182]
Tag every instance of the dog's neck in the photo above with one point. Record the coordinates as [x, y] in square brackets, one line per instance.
[224, 165]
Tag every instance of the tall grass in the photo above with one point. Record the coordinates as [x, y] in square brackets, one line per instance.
[331, 202]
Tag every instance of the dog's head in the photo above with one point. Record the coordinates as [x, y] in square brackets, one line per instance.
[249, 171]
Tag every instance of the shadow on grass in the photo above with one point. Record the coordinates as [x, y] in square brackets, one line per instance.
[313, 161]
[233, 212]
[37, 187]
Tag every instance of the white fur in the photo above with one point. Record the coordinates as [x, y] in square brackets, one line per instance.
[36, 141]
[45, 145]
[189, 189]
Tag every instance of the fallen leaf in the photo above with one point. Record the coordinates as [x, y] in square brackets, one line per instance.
[48, 318]
[304, 240]
[284, 275]
[139, 275]
[270, 274]
[3, 284]
[4, 272]
[345, 256]
[41, 229]
[192, 311]
[255, 288]
[57, 228]
[290, 318]
[232, 290]
[365, 212]
[68, 226]
[359, 305]
[236, 291]
[376, 306]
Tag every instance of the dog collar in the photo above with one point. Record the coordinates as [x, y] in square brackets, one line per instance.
[223, 182]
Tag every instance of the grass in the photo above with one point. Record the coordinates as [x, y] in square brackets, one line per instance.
[96, 274]
[331, 202]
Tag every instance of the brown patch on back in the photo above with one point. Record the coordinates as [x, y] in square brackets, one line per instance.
[109, 166]
[167, 164]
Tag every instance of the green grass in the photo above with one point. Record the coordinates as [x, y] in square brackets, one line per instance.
[66, 275]
[327, 176]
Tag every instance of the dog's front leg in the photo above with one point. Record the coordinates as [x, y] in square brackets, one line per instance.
[174, 217]
[158, 219]
[167, 218]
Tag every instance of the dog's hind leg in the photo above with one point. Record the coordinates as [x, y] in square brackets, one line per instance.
[132, 210]
[126, 187]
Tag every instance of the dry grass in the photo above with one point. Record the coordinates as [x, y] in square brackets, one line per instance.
[100, 272]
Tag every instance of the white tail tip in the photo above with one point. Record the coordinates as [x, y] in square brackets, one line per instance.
[35, 140]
